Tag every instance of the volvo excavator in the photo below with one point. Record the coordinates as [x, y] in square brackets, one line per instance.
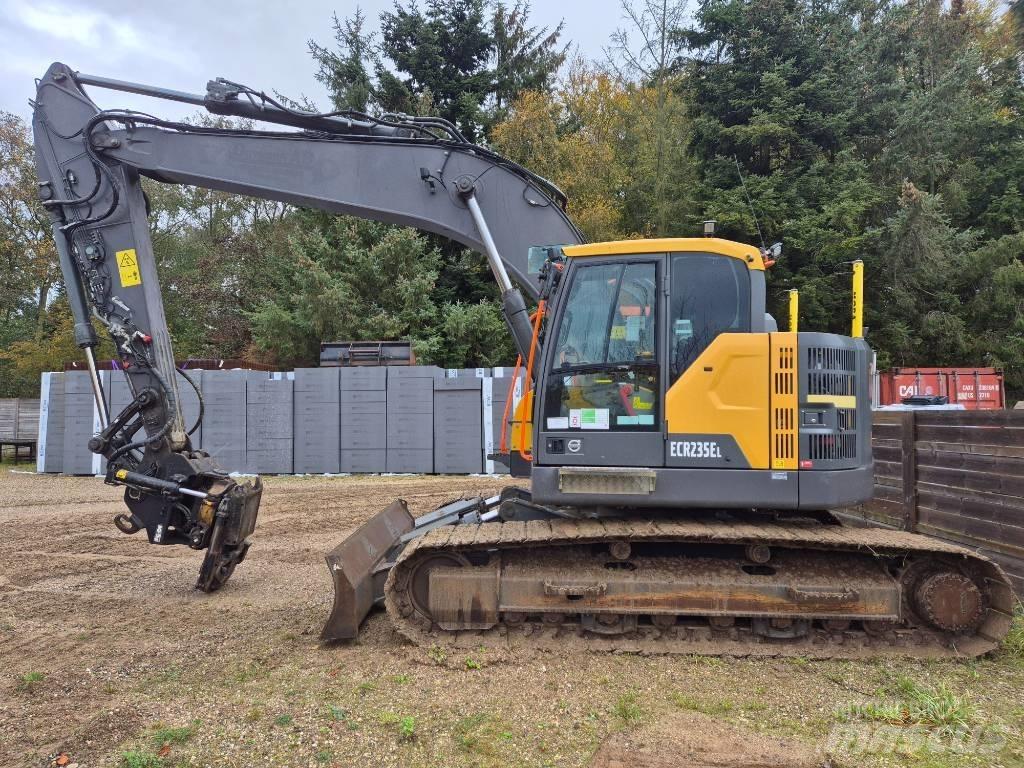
[683, 454]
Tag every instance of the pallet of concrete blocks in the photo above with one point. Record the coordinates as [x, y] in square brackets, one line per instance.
[497, 389]
[364, 419]
[224, 420]
[269, 422]
[50, 445]
[458, 421]
[317, 428]
[410, 409]
[81, 422]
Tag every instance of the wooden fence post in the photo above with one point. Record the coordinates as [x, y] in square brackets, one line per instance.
[908, 424]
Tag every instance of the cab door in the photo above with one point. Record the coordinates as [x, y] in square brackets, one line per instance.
[601, 404]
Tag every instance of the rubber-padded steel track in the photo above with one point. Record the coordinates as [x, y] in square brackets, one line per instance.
[696, 636]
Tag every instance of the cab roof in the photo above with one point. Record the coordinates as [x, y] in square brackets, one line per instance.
[750, 255]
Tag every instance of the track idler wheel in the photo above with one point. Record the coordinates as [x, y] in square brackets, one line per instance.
[949, 601]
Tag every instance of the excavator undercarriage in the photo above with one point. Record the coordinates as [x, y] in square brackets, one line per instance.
[759, 584]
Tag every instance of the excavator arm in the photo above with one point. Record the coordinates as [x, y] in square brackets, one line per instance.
[413, 171]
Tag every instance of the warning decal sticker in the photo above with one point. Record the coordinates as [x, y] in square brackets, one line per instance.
[128, 267]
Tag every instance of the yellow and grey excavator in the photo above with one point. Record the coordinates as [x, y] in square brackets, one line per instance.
[683, 453]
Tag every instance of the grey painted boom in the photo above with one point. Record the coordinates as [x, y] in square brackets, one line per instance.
[402, 171]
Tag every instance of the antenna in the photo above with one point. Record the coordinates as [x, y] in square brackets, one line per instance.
[750, 205]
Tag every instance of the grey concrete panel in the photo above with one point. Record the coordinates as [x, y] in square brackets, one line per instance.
[359, 460]
[317, 423]
[402, 460]
[318, 384]
[270, 457]
[50, 447]
[363, 396]
[396, 372]
[368, 377]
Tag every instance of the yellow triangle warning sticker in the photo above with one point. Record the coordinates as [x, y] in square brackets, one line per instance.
[128, 268]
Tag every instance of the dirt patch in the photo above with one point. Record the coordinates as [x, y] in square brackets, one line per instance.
[106, 649]
[693, 740]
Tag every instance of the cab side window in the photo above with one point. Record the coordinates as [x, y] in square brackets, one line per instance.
[710, 295]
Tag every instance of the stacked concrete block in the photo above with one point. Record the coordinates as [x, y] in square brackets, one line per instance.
[458, 421]
[50, 446]
[317, 427]
[496, 390]
[363, 419]
[81, 422]
[269, 422]
[410, 409]
[224, 423]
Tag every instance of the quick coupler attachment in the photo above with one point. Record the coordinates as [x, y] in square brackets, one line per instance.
[233, 523]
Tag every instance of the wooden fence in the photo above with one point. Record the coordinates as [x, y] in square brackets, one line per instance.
[19, 417]
[955, 475]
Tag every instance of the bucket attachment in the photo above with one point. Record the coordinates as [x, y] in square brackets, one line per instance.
[359, 567]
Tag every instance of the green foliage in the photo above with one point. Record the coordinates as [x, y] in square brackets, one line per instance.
[1014, 642]
[909, 703]
[447, 58]
[30, 680]
[283, 721]
[139, 759]
[704, 706]
[407, 728]
[171, 735]
[627, 709]
[892, 132]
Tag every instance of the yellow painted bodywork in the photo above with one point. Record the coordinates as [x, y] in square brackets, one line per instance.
[725, 392]
[748, 254]
[784, 400]
[743, 385]
[839, 401]
[520, 437]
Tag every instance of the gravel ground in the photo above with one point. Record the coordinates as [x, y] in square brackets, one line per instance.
[110, 658]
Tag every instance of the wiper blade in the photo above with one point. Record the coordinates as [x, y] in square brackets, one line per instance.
[601, 367]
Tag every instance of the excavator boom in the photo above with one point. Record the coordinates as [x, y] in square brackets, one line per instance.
[413, 171]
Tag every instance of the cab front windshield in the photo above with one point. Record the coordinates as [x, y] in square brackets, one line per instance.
[605, 370]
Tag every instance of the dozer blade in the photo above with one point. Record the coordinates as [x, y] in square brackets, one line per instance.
[359, 567]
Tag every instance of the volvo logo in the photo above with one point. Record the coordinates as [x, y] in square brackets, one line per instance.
[575, 446]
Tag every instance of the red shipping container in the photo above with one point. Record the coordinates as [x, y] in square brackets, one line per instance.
[977, 389]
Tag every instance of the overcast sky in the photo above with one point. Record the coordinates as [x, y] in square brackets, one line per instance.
[181, 44]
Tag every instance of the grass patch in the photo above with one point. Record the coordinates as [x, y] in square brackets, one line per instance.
[366, 687]
[437, 654]
[164, 735]
[405, 726]
[1013, 645]
[342, 715]
[476, 734]
[711, 707]
[283, 720]
[136, 759]
[627, 709]
[472, 663]
[910, 704]
[30, 680]
[400, 679]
